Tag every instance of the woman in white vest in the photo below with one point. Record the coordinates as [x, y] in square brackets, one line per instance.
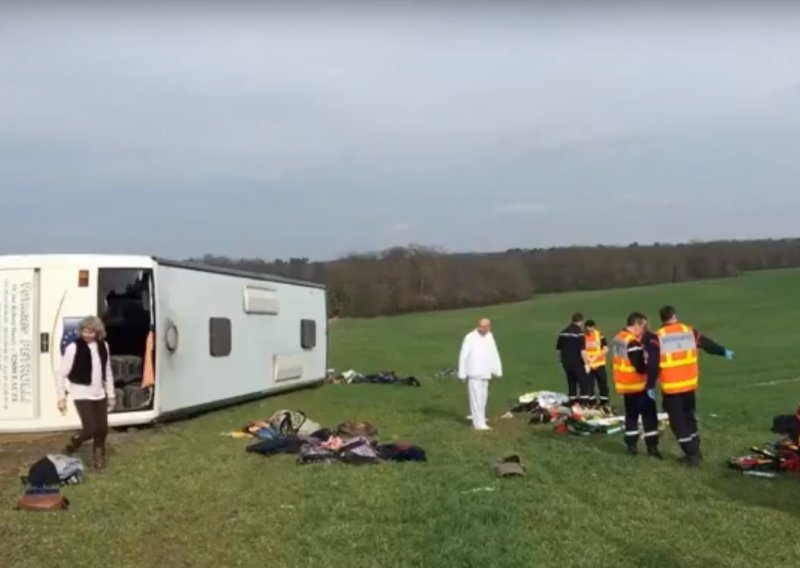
[86, 376]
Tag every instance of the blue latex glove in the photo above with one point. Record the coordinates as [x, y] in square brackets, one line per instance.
[729, 354]
[651, 393]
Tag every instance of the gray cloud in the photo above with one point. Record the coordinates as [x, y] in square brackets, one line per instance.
[259, 131]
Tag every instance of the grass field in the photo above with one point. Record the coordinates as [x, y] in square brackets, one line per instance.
[182, 495]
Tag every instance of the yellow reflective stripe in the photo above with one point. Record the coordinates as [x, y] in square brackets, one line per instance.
[624, 368]
[631, 387]
[679, 385]
[672, 363]
[684, 328]
[593, 343]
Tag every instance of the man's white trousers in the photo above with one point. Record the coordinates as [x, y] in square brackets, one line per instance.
[478, 395]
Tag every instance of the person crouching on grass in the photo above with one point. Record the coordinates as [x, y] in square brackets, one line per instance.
[86, 366]
[478, 363]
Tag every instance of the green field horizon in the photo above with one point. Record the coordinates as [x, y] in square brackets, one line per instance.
[182, 494]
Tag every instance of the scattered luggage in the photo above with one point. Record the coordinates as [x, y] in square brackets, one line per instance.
[357, 429]
[282, 423]
[42, 500]
[44, 480]
[769, 460]
[547, 407]
[381, 378]
[351, 442]
[788, 425]
[509, 466]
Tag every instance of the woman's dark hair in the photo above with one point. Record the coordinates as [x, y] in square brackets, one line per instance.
[590, 323]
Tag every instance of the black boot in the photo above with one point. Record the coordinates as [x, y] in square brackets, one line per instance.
[73, 445]
[651, 440]
[690, 460]
[631, 449]
[99, 459]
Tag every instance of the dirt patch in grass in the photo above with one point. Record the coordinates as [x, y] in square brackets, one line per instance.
[19, 451]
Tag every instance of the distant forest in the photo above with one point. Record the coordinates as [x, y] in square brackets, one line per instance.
[416, 278]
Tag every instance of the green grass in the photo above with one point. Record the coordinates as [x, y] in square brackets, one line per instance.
[182, 495]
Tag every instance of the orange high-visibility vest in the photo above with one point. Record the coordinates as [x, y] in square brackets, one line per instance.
[679, 369]
[627, 380]
[594, 349]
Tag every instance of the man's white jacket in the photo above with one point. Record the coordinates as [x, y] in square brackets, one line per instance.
[479, 358]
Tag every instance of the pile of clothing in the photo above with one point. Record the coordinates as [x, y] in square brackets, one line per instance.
[548, 407]
[782, 456]
[769, 460]
[545, 407]
[354, 443]
[546, 400]
[381, 378]
[281, 423]
[44, 480]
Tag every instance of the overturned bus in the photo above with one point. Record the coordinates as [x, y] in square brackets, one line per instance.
[183, 337]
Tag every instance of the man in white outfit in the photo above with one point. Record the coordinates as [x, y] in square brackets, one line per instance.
[478, 363]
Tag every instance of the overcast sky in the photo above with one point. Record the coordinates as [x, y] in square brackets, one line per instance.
[259, 132]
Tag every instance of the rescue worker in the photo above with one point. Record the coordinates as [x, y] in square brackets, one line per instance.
[674, 365]
[630, 380]
[596, 353]
[571, 345]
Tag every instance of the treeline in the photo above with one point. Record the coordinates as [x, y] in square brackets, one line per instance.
[416, 278]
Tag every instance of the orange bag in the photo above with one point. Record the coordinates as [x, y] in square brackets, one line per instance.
[42, 502]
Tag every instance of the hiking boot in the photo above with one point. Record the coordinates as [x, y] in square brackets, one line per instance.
[99, 459]
[73, 445]
[654, 453]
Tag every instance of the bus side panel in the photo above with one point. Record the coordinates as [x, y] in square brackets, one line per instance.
[189, 376]
[19, 347]
[35, 305]
[64, 302]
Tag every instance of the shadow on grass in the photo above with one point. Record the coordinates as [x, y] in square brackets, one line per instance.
[779, 494]
[443, 414]
[614, 445]
[650, 553]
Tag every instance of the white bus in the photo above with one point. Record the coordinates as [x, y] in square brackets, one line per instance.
[183, 337]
